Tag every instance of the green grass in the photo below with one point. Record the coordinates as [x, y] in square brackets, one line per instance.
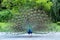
[5, 27]
[54, 27]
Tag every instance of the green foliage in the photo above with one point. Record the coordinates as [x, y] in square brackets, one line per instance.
[55, 11]
[5, 15]
[46, 4]
[54, 27]
[17, 4]
[58, 23]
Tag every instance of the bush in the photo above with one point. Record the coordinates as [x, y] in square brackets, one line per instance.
[17, 4]
[58, 23]
[46, 4]
[5, 15]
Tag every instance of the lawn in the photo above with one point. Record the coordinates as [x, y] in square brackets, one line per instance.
[54, 27]
[5, 27]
